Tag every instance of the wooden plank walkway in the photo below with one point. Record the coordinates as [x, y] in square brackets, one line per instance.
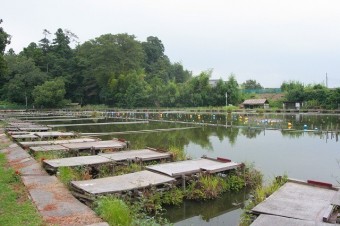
[121, 183]
[54, 134]
[264, 220]
[97, 145]
[134, 155]
[177, 169]
[46, 148]
[98, 124]
[80, 146]
[51, 142]
[63, 119]
[299, 201]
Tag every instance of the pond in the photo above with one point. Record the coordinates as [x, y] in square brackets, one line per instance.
[297, 149]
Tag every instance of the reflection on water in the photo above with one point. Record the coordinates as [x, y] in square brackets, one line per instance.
[208, 212]
[301, 155]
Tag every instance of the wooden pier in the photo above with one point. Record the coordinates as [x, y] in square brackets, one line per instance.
[163, 176]
[114, 144]
[299, 203]
[102, 158]
[98, 124]
[120, 184]
[27, 144]
[189, 167]
[42, 135]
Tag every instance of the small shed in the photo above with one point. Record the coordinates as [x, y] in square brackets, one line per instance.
[255, 103]
[292, 105]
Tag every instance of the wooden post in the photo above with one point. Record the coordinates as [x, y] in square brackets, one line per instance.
[183, 182]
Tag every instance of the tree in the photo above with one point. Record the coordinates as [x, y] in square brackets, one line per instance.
[21, 79]
[234, 95]
[251, 84]
[50, 94]
[5, 39]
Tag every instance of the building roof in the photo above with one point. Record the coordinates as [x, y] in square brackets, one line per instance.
[255, 101]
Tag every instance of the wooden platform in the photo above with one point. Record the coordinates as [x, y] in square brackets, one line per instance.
[136, 155]
[133, 155]
[99, 124]
[121, 183]
[264, 220]
[54, 134]
[46, 148]
[177, 169]
[298, 201]
[97, 145]
[81, 146]
[51, 142]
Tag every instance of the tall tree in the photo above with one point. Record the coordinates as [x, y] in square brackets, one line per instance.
[233, 91]
[5, 39]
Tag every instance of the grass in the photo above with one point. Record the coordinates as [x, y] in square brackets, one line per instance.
[178, 154]
[114, 211]
[15, 207]
[259, 195]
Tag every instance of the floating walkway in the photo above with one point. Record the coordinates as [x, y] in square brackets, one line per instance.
[26, 144]
[299, 203]
[26, 126]
[64, 119]
[157, 175]
[98, 124]
[188, 167]
[42, 135]
[113, 158]
[81, 146]
[121, 183]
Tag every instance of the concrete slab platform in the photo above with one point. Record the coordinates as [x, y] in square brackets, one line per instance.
[299, 201]
[142, 155]
[52, 142]
[76, 161]
[176, 169]
[54, 134]
[98, 145]
[121, 183]
[265, 219]
[46, 148]
[25, 137]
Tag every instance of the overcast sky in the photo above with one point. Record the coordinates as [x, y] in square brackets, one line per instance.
[270, 41]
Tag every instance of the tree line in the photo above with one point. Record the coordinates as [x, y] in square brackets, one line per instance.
[116, 70]
[119, 71]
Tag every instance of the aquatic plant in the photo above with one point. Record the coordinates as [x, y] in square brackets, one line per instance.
[173, 197]
[178, 153]
[259, 195]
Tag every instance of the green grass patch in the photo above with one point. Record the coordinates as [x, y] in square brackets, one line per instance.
[178, 153]
[15, 207]
[114, 211]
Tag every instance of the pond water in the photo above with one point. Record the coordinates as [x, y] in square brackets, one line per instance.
[300, 154]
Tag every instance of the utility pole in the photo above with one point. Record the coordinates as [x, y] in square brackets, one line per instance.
[326, 81]
[226, 99]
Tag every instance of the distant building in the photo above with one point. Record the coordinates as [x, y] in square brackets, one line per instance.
[213, 82]
[255, 103]
[292, 105]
